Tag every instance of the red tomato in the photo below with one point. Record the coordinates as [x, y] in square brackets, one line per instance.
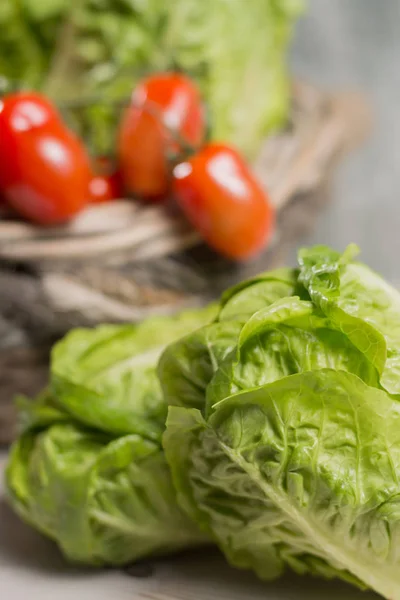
[106, 184]
[44, 169]
[160, 104]
[224, 201]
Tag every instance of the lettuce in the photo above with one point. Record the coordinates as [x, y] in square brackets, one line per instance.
[104, 501]
[290, 456]
[360, 303]
[105, 377]
[236, 50]
[282, 441]
[187, 366]
[88, 469]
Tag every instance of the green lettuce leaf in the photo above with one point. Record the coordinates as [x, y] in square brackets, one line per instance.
[360, 303]
[88, 469]
[244, 299]
[104, 501]
[187, 366]
[105, 377]
[303, 472]
[38, 413]
[289, 336]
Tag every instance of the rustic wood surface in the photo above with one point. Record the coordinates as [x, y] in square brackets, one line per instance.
[123, 262]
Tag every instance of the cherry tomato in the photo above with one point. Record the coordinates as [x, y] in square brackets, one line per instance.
[160, 105]
[44, 169]
[224, 201]
[106, 184]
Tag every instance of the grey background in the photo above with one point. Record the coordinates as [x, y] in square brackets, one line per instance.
[356, 44]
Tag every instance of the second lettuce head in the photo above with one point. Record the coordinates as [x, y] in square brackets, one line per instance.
[284, 443]
[88, 469]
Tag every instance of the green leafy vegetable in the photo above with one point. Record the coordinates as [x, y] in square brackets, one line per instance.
[282, 437]
[104, 501]
[360, 303]
[105, 377]
[84, 48]
[292, 458]
[187, 366]
[302, 471]
[88, 469]
[244, 299]
[285, 338]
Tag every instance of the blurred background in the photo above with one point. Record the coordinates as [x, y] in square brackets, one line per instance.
[357, 44]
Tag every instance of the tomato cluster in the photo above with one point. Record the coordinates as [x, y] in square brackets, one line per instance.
[47, 177]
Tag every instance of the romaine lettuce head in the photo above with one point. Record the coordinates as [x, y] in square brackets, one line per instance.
[294, 458]
[88, 469]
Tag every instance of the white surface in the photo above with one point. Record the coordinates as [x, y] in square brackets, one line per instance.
[31, 568]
